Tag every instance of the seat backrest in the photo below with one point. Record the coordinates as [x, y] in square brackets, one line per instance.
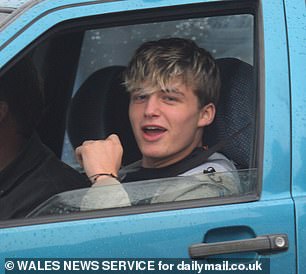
[100, 108]
[236, 111]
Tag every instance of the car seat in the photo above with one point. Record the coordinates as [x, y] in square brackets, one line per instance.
[100, 107]
[235, 120]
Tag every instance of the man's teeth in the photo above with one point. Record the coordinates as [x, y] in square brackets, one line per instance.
[154, 128]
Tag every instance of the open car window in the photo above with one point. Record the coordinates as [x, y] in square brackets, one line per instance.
[148, 192]
[227, 36]
[99, 107]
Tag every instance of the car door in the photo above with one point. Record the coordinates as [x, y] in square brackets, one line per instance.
[172, 230]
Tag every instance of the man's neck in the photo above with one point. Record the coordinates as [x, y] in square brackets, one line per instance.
[167, 161]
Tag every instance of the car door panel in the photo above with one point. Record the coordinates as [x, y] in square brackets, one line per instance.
[162, 235]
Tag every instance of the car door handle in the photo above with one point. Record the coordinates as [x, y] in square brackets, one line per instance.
[260, 244]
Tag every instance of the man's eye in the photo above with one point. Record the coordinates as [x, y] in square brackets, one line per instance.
[139, 98]
[167, 98]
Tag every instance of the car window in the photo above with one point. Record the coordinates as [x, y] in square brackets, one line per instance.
[223, 36]
[81, 72]
[106, 51]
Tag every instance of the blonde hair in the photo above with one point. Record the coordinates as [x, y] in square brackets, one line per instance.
[157, 62]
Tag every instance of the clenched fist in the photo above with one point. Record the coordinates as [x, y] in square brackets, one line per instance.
[101, 156]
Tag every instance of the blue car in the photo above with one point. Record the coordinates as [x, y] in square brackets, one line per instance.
[81, 47]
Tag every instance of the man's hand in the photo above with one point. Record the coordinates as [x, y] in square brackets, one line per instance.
[102, 156]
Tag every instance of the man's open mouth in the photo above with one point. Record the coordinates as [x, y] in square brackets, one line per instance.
[153, 129]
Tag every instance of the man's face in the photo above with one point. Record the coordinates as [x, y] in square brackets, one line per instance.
[167, 123]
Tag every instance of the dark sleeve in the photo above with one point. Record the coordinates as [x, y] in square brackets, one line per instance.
[48, 178]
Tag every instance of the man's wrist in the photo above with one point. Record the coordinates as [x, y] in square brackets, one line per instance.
[99, 176]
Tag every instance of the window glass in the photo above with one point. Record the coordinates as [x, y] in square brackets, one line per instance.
[181, 188]
[223, 36]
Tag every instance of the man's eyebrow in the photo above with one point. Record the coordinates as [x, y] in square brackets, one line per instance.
[135, 90]
[139, 91]
[173, 90]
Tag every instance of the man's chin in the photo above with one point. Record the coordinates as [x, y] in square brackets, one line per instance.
[154, 155]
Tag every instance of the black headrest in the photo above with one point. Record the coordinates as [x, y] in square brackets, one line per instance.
[100, 108]
[236, 111]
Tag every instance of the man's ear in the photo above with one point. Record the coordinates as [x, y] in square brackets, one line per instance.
[4, 109]
[207, 115]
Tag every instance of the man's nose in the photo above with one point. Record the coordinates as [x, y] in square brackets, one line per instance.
[152, 106]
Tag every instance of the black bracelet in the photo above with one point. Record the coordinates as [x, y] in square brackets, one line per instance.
[95, 177]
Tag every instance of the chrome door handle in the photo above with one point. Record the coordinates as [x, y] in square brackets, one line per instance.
[260, 244]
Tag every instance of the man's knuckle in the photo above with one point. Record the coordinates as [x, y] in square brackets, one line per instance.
[86, 143]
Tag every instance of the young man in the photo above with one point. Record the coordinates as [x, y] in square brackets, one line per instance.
[29, 172]
[174, 88]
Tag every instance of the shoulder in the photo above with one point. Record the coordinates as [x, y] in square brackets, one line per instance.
[217, 162]
[49, 170]
[63, 176]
